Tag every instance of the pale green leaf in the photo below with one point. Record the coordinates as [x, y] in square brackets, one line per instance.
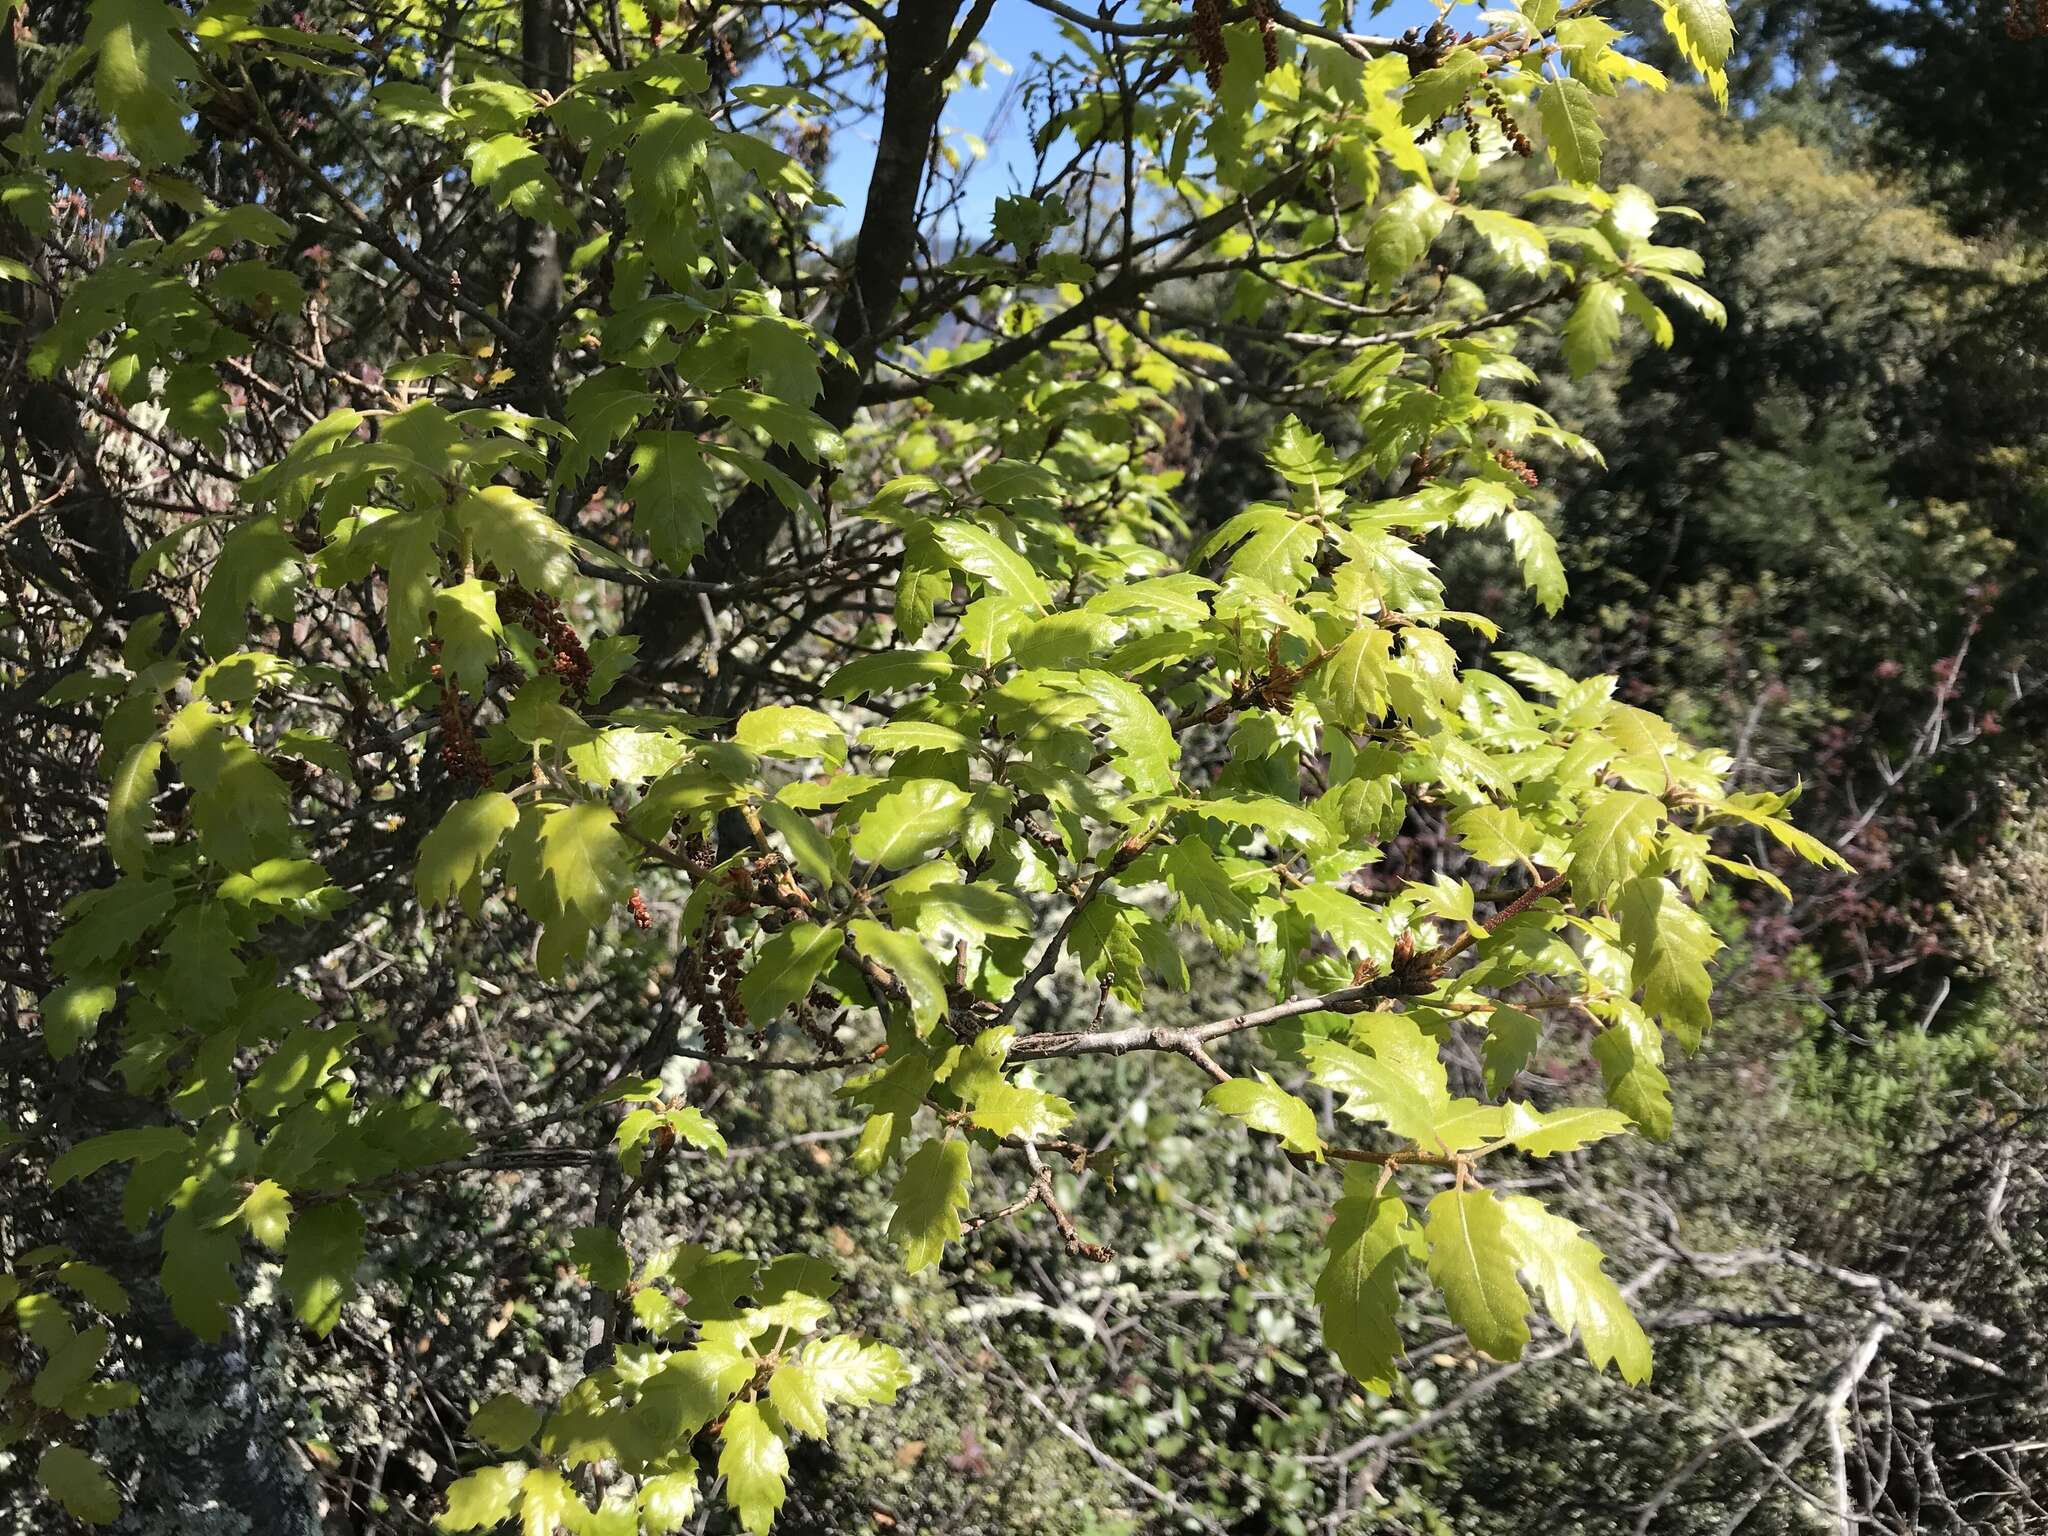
[1265, 1106]
[929, 1198]
[1565, 1267]
[1669, 945]
[754, 1464]
[1473, 1259]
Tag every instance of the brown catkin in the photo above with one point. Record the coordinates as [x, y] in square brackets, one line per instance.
[1515, 465]
[561, 648]
[460, 754]
[1269, 37]
[1209, 45]
[2022, 20]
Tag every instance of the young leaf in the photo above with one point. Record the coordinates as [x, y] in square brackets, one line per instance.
[1571, 128]
[482, 1500]
[1612, 842]
[754, 1464]
[1265, 1106]
[1631, 1059]
[929, 1198]
[1669, 944]
[72, 1012]
[1511, 1037]
[1542, 1133]
[453, 855]
[130, 812]
[910, 821]
[505, 1423]
[69, 1367]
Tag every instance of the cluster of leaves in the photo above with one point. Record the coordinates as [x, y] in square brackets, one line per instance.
[1037, 726]
[745, 1371]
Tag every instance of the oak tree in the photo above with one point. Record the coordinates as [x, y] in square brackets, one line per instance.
[464, 485]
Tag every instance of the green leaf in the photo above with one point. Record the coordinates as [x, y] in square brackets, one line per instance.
[196, 405]
[887, 672]
[320, 1263]
[1511, 1036]
[910, 821]
[75, 1481]
[929, 1198]
[572, 866]
[789, 730]
[72, 1012]
[139, 1144]
[515, 534]
[997, 1104]
[673, 493]
[1398, 1081]
[140, 66]
[454, 854]
[980, 552]
[666, 154]
[1631, 1059]
[466, 622]
[106, 1293]
[1200, 880]
[809, 849]
[1402, 233]
[198, 1274]
[259, 567]
[600, 1254]
[1614, 839]
[904, 956]
[1705, 35]
[69, 1367]
[848, 1370]
[1540, 1133]
[668, 1500]
[785, 968]
[267, 1213]
[1669, 945]
[505, 1423]
[754, 1464]
[1265, 1106]
[1370, 1245]
[1517, 242]
[1593, 327]
[131, 811]
[547, 1504]
[1536, 551]
[1571, 128]
[1436, 92]
[1566, 1268]
[483, 1499]
[1472, 1259]
[1351, 686]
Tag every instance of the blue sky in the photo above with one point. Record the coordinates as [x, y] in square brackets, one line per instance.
[1014, 32]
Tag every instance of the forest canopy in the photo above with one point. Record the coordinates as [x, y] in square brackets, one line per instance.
[640, 755]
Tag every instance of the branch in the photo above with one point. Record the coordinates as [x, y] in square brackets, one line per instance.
[1413, 977]
[1125, 288]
